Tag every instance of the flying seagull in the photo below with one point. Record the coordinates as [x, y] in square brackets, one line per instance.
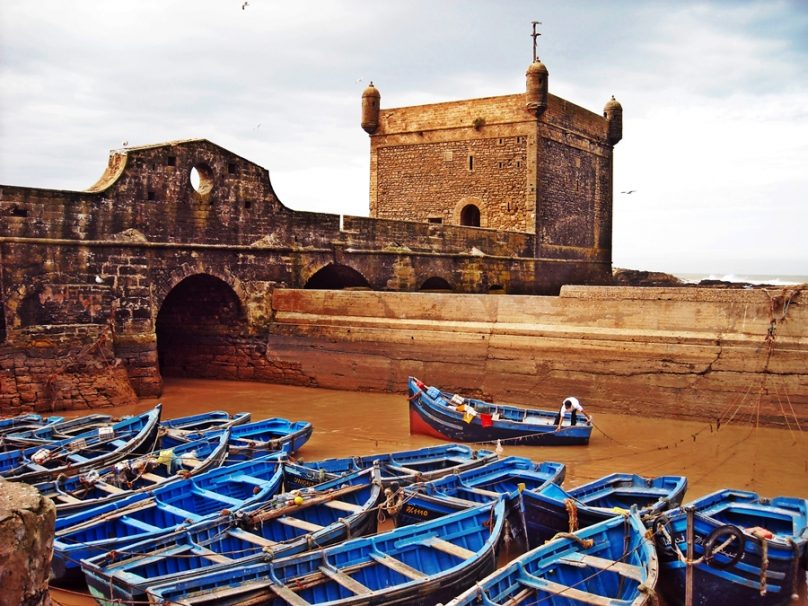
[245, 5]
[630, 191]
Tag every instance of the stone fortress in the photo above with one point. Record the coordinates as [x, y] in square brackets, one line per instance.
[149, 274]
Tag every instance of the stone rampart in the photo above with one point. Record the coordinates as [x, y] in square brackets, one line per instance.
[673, 352]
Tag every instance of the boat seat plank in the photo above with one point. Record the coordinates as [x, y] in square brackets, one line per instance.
[402, 469]
[250, 537]
[565, 591]
[211, 555]
[66, 498]
[343, 506]
[283, 592]
[298, 523]
[623, 569]
[190, 461]
[346, 581]
[483, 491]
[109, 488]
[519, 597]
[450, 548]
[397, 565]
[456, 500]
[151, 477]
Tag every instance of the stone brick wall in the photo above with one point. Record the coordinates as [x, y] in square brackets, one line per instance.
[668, 352]
[79, 266]
[550, 176]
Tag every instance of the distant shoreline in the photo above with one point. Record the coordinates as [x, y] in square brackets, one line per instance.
[757, 279]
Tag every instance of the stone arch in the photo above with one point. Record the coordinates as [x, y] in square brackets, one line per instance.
[470, 211]
[336, 276]
[185, 271]
[197, 326]
[436, 283]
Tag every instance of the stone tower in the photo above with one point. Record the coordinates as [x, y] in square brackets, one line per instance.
[529, 162]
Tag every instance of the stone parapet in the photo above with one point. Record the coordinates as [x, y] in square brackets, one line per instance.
[701, 354]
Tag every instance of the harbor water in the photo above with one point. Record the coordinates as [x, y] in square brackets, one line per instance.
[768, 461]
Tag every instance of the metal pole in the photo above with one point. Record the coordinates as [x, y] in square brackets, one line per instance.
[689, 563]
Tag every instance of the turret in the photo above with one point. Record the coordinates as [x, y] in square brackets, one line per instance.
[371, 100]
[536, 99]
[613, 112]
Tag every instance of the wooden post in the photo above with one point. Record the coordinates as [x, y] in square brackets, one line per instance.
[689, 563]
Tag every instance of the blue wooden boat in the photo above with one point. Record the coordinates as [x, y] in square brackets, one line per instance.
[403, 467]
[54, 432]
[25, 422]
[449, 416]
[506, 478]
[205, 421]
[552, 509]
[611, 563]
[94, 448]
[328, 513]
[134, 474]
[417, 565]
[748, 549]
[250, 440]
[165, 509]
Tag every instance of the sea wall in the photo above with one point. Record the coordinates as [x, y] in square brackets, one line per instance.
[739, 355]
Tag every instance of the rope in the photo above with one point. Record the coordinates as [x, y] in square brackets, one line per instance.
[764, 558]
[572, 514]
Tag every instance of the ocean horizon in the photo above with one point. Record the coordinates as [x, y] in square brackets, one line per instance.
[773, 279]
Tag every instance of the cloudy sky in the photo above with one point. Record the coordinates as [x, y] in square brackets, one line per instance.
[715, 98]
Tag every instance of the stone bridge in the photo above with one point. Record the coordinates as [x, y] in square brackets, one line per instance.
[167, 264]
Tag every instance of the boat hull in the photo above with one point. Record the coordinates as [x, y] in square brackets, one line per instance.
[432, 414]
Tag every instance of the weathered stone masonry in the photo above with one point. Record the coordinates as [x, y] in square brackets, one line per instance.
[95, 284]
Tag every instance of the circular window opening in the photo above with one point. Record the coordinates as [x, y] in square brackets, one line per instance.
[201, 179]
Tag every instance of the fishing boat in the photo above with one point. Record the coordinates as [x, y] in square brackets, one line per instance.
[611, 563]
[506, 478]
[288, 524]
[250, 440]
[165, 509]
[417, 565]
[402, 467]
[552, 509]
[205, 421]
[134, 474]
[450, 416]
[25, 422]
[95, 448]
[54, 432]
[747, 549]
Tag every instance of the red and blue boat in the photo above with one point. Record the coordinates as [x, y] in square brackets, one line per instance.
[450, 416]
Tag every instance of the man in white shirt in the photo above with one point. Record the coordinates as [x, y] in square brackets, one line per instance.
[572, 406]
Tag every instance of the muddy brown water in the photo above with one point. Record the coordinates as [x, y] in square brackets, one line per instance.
[768, 461]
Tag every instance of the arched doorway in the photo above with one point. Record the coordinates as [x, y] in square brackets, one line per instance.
[436, 284]
[335, 276]
[470, 215]
[198, 327]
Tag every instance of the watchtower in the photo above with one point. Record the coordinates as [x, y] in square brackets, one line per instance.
[529, 162]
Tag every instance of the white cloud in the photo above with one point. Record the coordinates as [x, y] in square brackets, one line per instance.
[715, 97]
